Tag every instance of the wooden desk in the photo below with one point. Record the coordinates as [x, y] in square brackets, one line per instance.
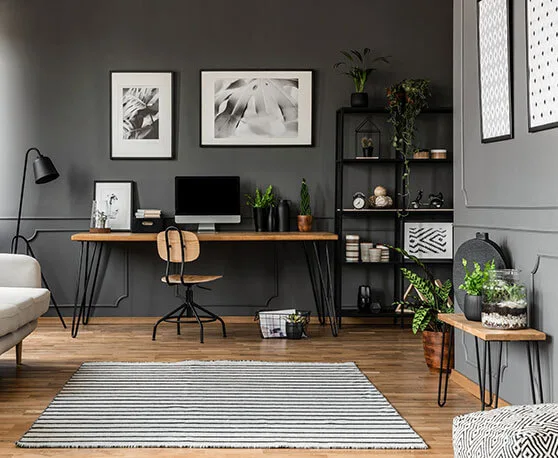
[318, 262]
[531, 337]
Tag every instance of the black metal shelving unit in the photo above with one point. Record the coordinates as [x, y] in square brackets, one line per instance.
[342, 213]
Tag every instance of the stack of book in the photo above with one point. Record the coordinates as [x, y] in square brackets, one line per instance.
[148, 214]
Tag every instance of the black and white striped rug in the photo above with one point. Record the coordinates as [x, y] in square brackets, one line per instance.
[239, 404]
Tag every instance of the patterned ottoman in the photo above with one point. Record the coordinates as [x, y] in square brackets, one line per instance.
[515, 431]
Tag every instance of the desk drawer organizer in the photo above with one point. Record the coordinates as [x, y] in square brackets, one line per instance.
[147, 225]
[273, 323]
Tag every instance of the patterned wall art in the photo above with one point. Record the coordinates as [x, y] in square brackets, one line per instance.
[429, 240]
[542, 61]
[494, 54]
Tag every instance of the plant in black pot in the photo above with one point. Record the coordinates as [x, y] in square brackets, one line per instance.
[358, 66]
[261, 204]
[296, 322]
[473, 284]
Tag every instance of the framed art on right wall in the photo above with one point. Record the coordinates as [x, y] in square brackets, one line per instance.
[542, 63]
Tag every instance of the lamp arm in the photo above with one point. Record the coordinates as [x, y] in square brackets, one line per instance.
[16, 237]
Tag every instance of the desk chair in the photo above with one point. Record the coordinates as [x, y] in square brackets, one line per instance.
[177, 248]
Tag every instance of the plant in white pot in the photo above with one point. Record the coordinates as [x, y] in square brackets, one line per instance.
[473, 284]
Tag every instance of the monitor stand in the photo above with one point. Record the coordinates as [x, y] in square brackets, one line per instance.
[206, 227]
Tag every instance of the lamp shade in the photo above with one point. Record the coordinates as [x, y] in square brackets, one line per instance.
[44, 170]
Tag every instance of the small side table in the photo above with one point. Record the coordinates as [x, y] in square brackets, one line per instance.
[531, 337]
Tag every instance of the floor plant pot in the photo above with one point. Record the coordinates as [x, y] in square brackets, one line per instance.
[472, 308]
[295, 330]
[261, 216]
[304, 223]
[359, 99]
[432, 344]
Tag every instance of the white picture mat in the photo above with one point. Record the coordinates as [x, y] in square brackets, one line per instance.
[142, 148]
[123, 191]
[542, 61]
[208, 79]
[443, 228]
[494, 69]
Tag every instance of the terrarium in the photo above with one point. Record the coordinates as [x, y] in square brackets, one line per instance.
[504, 301]
[367, 140]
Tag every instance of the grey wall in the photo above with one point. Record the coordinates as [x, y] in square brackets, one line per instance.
[55, 59]
[509, 190]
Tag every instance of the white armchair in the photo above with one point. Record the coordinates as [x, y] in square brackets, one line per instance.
[22, 300]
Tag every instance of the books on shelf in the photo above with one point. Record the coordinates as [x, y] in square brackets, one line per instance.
[148, 213]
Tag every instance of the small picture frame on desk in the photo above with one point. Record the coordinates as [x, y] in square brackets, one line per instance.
[121, 197]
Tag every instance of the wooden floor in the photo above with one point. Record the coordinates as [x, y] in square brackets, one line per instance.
[390, 357]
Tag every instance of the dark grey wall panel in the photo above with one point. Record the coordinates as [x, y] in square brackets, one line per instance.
[509, 190]
[55, 59]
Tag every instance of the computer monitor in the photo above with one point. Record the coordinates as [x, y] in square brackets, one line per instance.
[206, 201]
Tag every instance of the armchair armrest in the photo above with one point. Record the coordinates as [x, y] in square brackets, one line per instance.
[19, 270]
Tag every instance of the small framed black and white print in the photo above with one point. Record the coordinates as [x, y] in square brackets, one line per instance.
[542, 62]
[495, 70]
[256, 108]
[429, 240]
[116, 199]
[142, 115]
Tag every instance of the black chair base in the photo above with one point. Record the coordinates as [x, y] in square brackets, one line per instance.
[176, 316]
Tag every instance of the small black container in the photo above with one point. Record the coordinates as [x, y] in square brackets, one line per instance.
[272, 219]
[295, 330]
[260, 219]
[284, 216]
[359, 99]
[472, 308]
[147, 225]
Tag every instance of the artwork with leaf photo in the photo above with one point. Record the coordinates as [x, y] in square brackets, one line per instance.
[256, 108]
[142, 115]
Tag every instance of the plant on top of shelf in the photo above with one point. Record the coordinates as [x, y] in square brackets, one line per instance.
[304, 218]
[430, 298]
[261, 202]
[358, 66]
[406, 100]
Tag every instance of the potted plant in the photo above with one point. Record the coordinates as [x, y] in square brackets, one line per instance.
[296, 322]
[304, 218]
[367, 146]
[406, 100]
[357, 66]
[473, 284]
[261, 203]
[430, 298]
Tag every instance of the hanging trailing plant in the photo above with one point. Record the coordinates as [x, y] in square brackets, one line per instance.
[406, 100]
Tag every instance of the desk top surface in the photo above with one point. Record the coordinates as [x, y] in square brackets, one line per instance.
[475, 328]
[210, 237]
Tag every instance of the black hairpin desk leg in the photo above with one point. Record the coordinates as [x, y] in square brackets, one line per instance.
[442, 402]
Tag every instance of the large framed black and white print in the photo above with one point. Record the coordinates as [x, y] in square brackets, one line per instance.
[429, 240]
[495, 70]
[142, 117]
[542, 62]
[256, 108]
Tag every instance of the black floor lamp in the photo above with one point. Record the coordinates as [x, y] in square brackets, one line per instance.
[44, 172]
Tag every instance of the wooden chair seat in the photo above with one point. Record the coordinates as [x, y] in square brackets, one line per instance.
[191, 279]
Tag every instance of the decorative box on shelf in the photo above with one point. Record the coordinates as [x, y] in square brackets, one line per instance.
[147, 221]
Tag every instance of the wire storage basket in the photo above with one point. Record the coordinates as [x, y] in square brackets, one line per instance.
[273, 323]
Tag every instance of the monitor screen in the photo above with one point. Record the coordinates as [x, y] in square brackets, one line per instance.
[207, 196]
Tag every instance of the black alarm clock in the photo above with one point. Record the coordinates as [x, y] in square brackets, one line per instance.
[359, 201]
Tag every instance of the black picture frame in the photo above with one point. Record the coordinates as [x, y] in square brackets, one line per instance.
[529, 33]
[509, 79]
[172, 113]
[129, 217]
[309, 109]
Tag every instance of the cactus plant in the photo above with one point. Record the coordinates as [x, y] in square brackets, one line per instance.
[305, 208]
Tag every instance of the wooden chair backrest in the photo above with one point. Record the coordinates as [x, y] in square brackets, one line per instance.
[191, 246]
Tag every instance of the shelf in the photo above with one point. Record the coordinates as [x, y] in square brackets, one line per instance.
[429, 261]
[383, 110]
[405, 262]
[357, 313]
[388, 211]
[394, 161]
[360, 263]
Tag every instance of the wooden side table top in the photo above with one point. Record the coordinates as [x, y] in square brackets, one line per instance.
[475, 328]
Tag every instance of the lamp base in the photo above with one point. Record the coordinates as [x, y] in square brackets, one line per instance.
[98, 230]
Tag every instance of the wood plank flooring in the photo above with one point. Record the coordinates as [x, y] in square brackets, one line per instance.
[391, 357]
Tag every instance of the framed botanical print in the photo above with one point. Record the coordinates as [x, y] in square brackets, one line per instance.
[142, 115]
[116, 199]
[256, 108]
[495, 70]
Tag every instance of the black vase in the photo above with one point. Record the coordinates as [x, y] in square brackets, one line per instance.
[295, 330]
[472, 308]
[364, 298]
[260, 219]
[359, 99]
[284, 216]
[272, 219]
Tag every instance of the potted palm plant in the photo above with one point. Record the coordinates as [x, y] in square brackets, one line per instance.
[430, 297]
[304, 218]
[358, 66]
[473, 284]
[261, 202]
